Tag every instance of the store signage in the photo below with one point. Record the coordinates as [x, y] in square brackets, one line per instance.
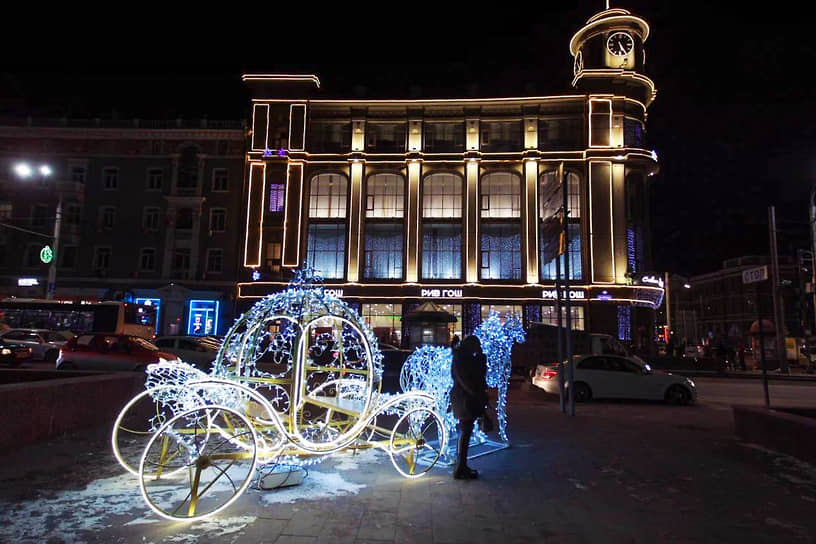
[652, 280]
[754, 275]
[440, 293]
[46, 254]
[574, 294]
[27, 282]
[336, 293]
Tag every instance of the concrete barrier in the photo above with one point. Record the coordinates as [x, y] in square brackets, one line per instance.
[782, 431]
[43, 408]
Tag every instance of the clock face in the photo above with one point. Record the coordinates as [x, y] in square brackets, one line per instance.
[620, 44]
[579, 63]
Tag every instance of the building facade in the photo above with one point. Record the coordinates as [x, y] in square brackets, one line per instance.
[150, 211]
[460, 201]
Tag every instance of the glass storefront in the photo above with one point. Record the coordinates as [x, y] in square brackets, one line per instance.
[203, 317]
[503, 309]
[385, 320]
[550, 317]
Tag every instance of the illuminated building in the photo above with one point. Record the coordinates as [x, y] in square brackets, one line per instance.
[457, 200]
[151, 211]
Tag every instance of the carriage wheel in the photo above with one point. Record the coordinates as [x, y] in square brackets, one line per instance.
[417, 442]
[135, 425]
[211, 450]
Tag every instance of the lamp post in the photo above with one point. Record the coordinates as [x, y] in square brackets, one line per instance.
[25, 171]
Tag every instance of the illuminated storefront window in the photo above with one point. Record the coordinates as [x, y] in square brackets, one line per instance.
[385, 321]
[203, 317]
[503, 309]
[383, 251]
[500, 257]
[441, 251]
[154, 303]
[456, 310]
[327, 249]
[550, 317]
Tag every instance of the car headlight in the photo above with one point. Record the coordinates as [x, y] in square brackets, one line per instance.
[691, 383]
[6, 351]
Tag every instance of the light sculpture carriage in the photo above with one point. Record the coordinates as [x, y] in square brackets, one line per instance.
[298, 377]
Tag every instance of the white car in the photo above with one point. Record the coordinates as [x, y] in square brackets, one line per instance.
[44, 344]
[612, 376]
[199, 351]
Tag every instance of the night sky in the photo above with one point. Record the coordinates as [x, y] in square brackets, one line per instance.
[733, 122]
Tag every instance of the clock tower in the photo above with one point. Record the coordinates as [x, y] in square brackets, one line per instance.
[609, 56]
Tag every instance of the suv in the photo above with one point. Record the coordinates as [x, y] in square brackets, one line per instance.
[100, 351]
[44, 344]
[199, 351]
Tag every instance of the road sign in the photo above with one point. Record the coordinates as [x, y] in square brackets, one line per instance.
[753, 275]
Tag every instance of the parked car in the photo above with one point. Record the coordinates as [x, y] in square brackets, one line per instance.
[13, 354]
[199, 351]
[44, 344]
[100, 351]
[610, 376]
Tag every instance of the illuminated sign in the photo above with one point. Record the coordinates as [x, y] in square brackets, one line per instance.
[652, 280]
[336, 293]
[152, 303]
[203, 317]
[27, 282]
[574, 294]
[604, 296]
[46, 254]
[440, 293]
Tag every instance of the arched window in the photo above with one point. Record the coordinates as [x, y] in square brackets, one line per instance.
[327, 196]
[501, 195]
[442, 227]
[442, 196]
[500, 231]
[551, 200]
[385, 196]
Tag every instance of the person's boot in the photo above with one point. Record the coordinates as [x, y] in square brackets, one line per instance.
[462, 471]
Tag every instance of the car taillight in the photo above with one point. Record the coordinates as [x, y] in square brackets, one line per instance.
[549, 374]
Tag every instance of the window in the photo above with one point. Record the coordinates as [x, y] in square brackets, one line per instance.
[326, 246]
[329, 137]
[107, 217]
[551, 225]
[501, 195]
[150, 219]
[594, 363]
[444, 137]
[385, 321]
[155, 178]
[385, 137]
[218, 220]
[220, 179]
[156, 147]
[78, 174]
[600, 123]
[68, 256]
[73, 214]
[110, 178]
[441, 251]
[273, 256]
[222, 147]
[501, 136]
[442, 196]
[383, 251]
[184, 219]
[181, 261]
[385, 196]
[215, 261]
[147, 259]
[32, 255]
[633, 133]
[327, 196]
[188, 168]
[39, 215]
[560, 134]
[6, 209]
[102, 258]
[550, 316]
[504, 311]
[500, 251]
[277, 195]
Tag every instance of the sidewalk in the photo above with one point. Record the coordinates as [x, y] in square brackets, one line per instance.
[616, 472]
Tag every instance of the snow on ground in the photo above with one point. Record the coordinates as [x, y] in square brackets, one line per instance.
[70, 516]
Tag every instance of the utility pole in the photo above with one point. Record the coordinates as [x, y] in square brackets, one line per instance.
[668, 306]
[777, 300]
[813, 251]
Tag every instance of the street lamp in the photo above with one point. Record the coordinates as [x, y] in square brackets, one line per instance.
[24, 170]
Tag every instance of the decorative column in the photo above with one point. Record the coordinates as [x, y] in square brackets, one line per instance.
[355, 221]
[529, 219]
[472, 221]
[413, 222]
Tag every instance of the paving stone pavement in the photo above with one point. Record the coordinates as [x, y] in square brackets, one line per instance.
[616, 472]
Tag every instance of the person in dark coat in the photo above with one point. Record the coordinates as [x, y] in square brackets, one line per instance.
[468, 398]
